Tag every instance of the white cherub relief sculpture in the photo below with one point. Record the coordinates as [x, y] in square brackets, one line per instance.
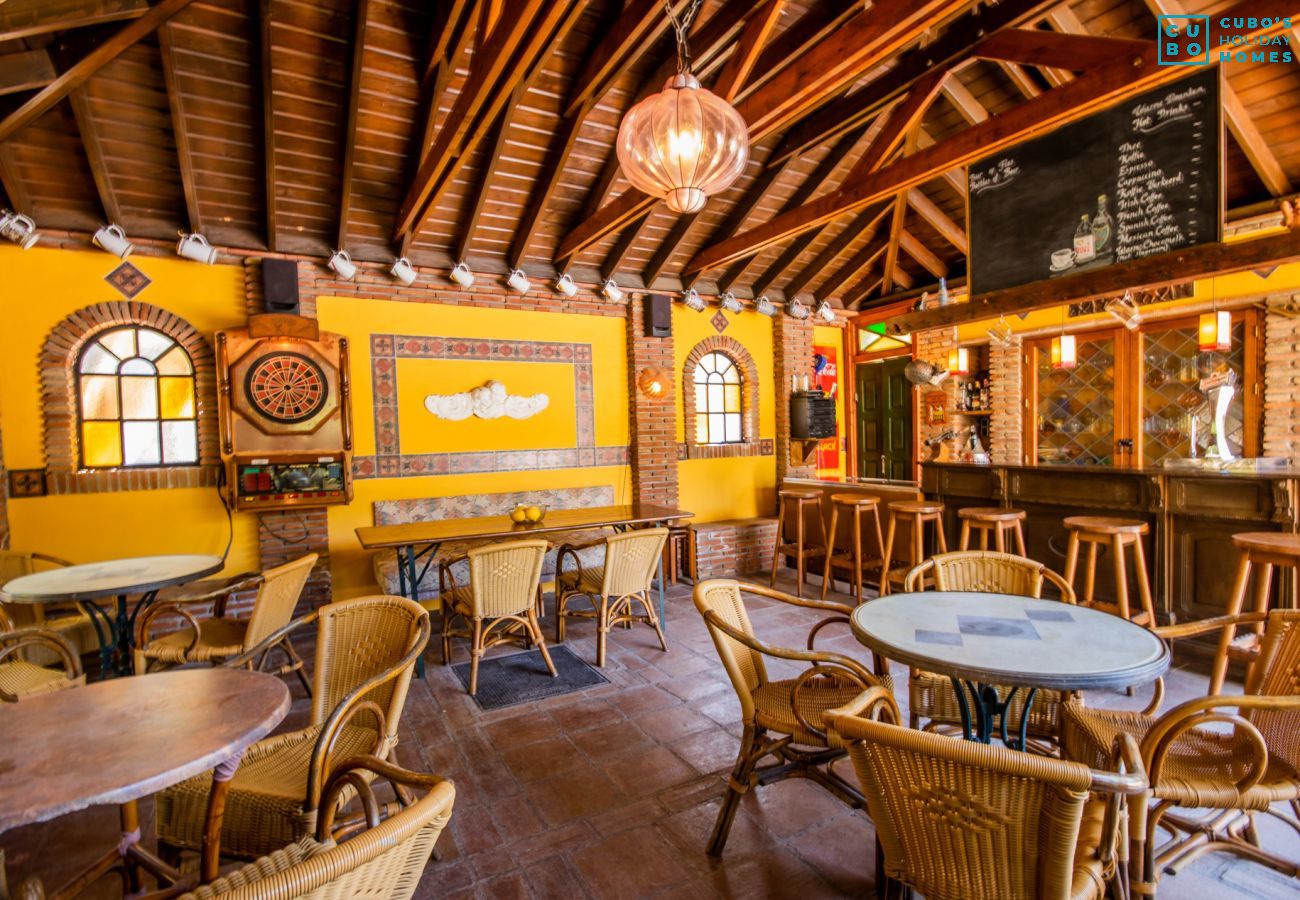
[491, 401]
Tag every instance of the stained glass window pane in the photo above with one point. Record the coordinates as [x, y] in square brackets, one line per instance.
[120, 342]
[176, 397]
[153, 344]
[101, 443]
[716, 428]
[99, 397]
[715, 398]
[137, 366]
[140, 444]
[175, 362]
[139, 397]
[731, 398]
[701, 429]
[99, 361]
[731, 375]
[733, 427]
[180, 442]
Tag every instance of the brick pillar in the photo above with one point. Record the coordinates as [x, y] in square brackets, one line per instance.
[793, 351]
[286, 535]
[1281, 382]
[652, 423]
[933, 347]
[1006, 425]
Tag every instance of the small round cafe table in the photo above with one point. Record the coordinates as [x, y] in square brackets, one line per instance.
[116, 741]
[117, 578]
[982, 640]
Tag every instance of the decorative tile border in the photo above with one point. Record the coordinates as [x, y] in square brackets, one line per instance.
[389, 462]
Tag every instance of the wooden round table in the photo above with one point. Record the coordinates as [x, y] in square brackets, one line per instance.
[116, 741]
[981, 640]
[118, 578]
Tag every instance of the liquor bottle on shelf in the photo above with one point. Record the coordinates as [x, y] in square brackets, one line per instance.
[1101, 226]
[1084, 242]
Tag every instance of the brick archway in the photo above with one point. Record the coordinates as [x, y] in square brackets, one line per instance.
[750, 445]
[58, 361]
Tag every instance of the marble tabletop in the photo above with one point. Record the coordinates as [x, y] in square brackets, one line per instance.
[1012, 640]
[136, 575]
[120, 740]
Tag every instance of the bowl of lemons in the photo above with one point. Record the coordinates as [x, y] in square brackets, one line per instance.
[527, 515]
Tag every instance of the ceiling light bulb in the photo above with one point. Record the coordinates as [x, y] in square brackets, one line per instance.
[729, 302]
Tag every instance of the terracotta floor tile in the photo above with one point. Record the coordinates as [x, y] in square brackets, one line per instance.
[521, 730]
[542, 759]
[554, 878]
[793, 806]
[636, 701]
[673, 723]
[643, 772]
[512, 886]
[631, 864]
[777, 874]
[692, 829]
[714, 750]
[842, 852]
[515, 818]
[574, 795]
[584, 715]
[611, 740]
[697, 687]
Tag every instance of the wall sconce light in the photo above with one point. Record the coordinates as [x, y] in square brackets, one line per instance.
[1064, 352]
[1125, 311]
[461, 274]
[403, 271]
[113, 239]
[826, 313]
[19, 228]
[1214, 331]
[1000, 333]
[517, 281]
[653, 383]
[959, 361]
[797, 310]
[196, 247]
[342, 265]
[728, 301]
[564, 284]
[611, 291]
[764, 306]
[693, 300]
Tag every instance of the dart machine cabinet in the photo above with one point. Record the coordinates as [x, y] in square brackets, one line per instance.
[284, 402]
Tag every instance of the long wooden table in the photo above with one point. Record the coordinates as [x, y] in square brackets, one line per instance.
[420, 540]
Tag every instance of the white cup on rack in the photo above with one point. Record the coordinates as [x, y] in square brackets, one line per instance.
[403, 271]
[113, 239]
[461, 274]
[342, 265]
[564, 284]
[196, 247]
[518, 281]
[20, 229]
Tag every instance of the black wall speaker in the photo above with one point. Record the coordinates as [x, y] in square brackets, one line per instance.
[658, 316]
[280, 285]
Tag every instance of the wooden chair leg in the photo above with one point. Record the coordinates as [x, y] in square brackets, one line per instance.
[559, 615]
[476, 653]
[297, 663]
[884, 564]
[737, 785]
[918, 540]
[1121, 577]
[999, 539]
[1071, 558]
[1144, 582]
[602, 631]
[984, 538]
[780, 539]
[535, 627]
[798, 551]
[653, 618]
[1090, 576]
[828, 570]
[1020, 539]
[965, 534]
[857, 552]
[1236, 600]
[446, 635]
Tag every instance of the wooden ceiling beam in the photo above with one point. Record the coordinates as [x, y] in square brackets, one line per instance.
[28, 18]
[1076, 52]
[1020, 77]
[864, 225]
[19, 198]
[1101, 88]
[628, 239]
[966, 103]
[360, 32]
[861, 290]
[926, 208]
[667, 247]
[502, 136]
[955, 44]
[26, 70]
[180, 126]
[641, 23]
[900, 121]
[891, 250]
[89, 132]
[267, 92]
[853, 268]
[543, 192]
[450, 23]
[81, 71]
[757, 31]
[956, 176]
[913, 247]
[810, 29]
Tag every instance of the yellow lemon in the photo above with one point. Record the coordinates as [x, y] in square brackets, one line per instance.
[519, 514]
[534, 514]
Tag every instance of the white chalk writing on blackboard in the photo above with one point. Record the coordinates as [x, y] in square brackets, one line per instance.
[994, 177]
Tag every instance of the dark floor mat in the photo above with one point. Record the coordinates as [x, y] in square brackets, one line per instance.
[522, 677]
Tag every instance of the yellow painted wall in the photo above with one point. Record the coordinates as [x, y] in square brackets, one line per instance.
[741, 487]
[825, 335]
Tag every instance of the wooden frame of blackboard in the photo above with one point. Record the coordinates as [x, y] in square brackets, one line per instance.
[1220, 198]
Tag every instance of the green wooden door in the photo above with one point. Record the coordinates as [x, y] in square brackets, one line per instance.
[884, 420]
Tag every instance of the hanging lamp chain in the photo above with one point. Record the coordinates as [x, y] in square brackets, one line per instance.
[682, 30]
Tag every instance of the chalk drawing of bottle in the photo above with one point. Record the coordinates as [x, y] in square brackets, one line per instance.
[1084, 247]
[1101, 226]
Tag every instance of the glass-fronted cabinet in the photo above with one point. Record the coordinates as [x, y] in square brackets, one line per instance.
[1135, 397]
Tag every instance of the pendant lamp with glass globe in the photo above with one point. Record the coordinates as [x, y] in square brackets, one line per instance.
[684, 143]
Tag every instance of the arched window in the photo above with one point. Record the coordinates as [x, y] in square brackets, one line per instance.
[136, 400]
[718, 403]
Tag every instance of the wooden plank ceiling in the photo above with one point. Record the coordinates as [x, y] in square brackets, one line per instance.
[483, 130]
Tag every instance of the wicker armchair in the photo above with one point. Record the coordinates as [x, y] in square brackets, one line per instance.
[956, 820]
[19, 677]
[781, 718]
[503, 593]
[69, 620]
[931, 696]
[217, 639]
[365, 652]
[1245, 761]
[612, 588]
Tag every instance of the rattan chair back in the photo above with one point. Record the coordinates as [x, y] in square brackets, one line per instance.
[744, 665]
[504, 577]
[1275, 674]
[16, 564]
[988, 571]
[277, 596]
[631, 559]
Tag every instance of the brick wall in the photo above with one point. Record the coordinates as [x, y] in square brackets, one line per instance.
[653, 422]
[933, 347]
[1006, 377]
[737, 547]
[288, 534]
[793, 352]
[1281, 379]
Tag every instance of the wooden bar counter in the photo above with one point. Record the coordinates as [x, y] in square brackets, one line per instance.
[1192, 513]
[886, 490]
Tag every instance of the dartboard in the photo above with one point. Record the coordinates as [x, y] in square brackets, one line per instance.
[286, 387]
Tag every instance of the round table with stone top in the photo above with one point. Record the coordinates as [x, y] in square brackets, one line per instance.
[116, 741]
[142, 576]
[981, 640]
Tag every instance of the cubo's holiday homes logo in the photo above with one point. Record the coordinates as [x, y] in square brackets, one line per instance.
[1198, 40]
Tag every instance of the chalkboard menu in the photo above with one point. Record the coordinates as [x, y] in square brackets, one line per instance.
[1138, 179]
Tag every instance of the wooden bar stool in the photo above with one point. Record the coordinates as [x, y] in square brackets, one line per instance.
[1265, 549]
[992, 520]
[855, 505]
[1118, 534]
[918, 512]
[797, 501]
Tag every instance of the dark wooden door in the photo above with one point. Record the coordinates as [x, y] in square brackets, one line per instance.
[884, 417]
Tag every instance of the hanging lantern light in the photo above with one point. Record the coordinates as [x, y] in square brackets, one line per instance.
[1214, 331]
[1064, 355]
[958, 361]
[685, 142]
